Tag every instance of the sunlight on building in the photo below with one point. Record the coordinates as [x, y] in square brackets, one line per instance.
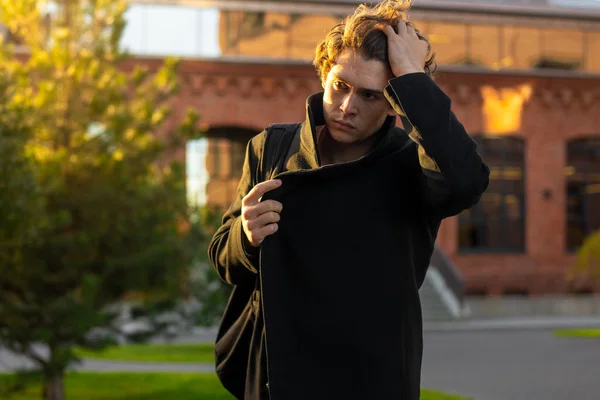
[502, 108]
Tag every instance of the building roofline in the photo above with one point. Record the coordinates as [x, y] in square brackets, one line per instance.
[547, 11]
[451, 69]
[346, 6]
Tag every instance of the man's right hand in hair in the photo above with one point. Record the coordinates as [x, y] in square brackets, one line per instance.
[259, 218]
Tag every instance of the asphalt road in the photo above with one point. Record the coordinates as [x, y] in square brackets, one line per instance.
[483, 363]
[512, 364]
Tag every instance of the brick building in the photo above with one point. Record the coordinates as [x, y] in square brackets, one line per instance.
[524, 79]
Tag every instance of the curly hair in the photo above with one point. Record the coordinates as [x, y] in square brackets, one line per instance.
[360, 32]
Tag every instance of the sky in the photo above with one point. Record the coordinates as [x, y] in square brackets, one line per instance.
[172, 30]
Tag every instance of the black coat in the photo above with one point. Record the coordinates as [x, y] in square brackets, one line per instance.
[340, 278]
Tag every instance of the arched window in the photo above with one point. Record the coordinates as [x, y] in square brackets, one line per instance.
[226, 150]
[497, 222]
[583, 190]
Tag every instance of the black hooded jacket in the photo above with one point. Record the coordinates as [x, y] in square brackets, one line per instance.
[340, 278]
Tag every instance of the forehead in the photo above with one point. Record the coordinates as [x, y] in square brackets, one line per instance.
[359, 72]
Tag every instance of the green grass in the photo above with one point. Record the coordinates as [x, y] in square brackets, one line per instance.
[587, 333]
[150, 386]
[433, 395]
[183, 353]
[134, 386]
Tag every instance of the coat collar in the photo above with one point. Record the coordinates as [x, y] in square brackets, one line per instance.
[307, 156]
[308, 131]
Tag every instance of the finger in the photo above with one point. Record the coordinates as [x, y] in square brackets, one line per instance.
[388, 30]
[253, 212]
[410, 28]
[268, 205]
[263, 220]
[402, 28]
[263, 232]
[253, 197]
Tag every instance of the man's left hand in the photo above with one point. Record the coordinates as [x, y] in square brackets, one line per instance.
[406, 51]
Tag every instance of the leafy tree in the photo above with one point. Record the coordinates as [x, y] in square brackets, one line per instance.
[19, 194]
[207, 288]
[93, 213]
[588, 256]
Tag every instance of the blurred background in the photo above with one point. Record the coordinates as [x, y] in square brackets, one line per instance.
[123, 129]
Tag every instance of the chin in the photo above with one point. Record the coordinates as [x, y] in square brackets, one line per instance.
[342, 136]
[348, 136]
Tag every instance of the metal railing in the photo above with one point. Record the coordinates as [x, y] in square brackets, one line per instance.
[452, 276]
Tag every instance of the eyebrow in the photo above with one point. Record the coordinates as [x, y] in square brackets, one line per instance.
[374, 91]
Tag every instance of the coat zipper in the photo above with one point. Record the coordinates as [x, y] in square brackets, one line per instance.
[262, 297]
[262, 301]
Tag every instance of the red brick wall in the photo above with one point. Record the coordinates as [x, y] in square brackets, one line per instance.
[559, 110]
[252, 96]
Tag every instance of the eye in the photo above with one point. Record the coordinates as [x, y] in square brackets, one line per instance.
[369, 95]
[339, 85]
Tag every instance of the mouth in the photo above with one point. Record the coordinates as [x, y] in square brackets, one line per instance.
[343, 124]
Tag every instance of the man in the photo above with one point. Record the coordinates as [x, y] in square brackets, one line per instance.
[343, 237]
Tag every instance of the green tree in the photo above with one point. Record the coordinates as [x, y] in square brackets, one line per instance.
[19, 194]
[92, 210]
[588, 256]
[207, 288]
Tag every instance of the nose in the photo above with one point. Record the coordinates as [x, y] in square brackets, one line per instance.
[348, 106]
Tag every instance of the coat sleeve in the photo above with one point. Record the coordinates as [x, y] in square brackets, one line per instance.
[234, 260]
[453, 174]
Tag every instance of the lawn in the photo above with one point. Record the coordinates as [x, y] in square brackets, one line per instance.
[150, 386]
[587, 333]
[183, 353]
[134, 386]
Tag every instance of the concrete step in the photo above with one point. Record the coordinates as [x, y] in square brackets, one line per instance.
[432, 305]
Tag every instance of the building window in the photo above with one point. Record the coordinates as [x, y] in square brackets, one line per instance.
[592, 62]
[238, 153]
[484, 46]
[561, 49]
[449, 41]
[521, 46]
[272, 34]
[497, 222]
[583, 190]
[226, 151]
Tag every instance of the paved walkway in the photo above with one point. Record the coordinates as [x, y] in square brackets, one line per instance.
[10, 362]
[515, 323]
[518, 359]
[512, 364]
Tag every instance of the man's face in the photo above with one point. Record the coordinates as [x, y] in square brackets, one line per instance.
[354, 104]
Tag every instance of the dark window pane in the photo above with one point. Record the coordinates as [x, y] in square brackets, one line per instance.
[497, 222]
[238, 152]
[214, 150]
[583, 190]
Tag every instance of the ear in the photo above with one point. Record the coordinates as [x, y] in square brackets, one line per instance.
[391, 112]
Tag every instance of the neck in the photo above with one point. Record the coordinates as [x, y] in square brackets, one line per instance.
[333, 152]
